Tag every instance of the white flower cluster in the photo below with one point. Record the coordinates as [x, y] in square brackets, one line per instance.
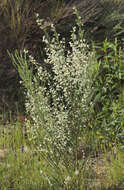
[57, 102]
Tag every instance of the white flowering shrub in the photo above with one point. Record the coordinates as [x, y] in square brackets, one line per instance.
[57, 98]
[58, 102]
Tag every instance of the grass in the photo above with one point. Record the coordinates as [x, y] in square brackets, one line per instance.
[20, 164]
[16, 15]
[23, 167]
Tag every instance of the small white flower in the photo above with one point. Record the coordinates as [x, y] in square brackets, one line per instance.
[8, 165]
[67, 180]
[25, 51]
[76, 172]
[41, 171]
[26, 149]
[37, 14]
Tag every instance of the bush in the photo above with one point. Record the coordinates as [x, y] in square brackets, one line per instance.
[58, 101]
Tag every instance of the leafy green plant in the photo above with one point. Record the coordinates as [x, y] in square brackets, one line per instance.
[108, 89]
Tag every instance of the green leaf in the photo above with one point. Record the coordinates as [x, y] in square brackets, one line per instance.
[97, 98]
